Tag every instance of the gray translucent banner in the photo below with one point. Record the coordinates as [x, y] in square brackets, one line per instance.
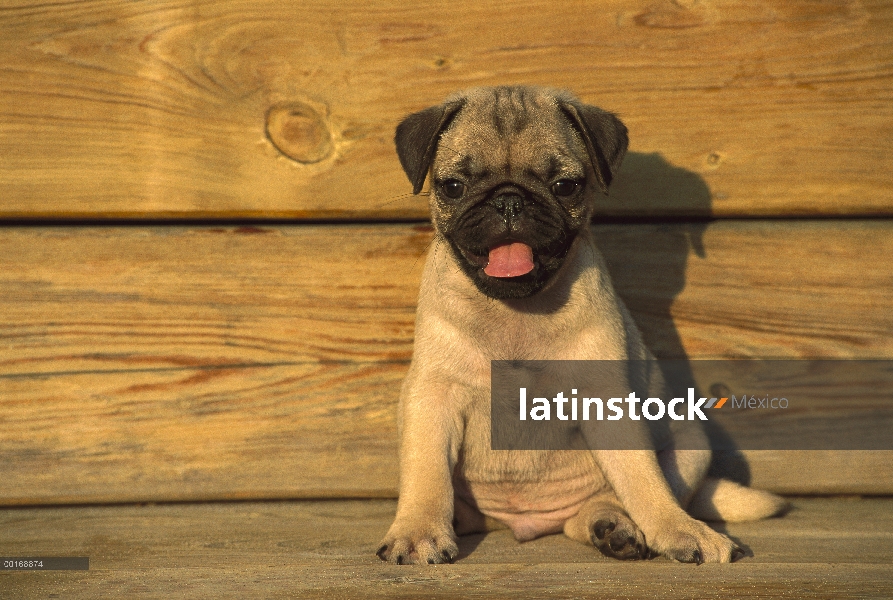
[39, 563]
[740, 404]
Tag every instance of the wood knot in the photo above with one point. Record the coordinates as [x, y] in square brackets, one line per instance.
[299, 132]
[672, 14]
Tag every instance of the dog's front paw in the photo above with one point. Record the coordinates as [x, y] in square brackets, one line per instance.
[407, 545]
[694, 541]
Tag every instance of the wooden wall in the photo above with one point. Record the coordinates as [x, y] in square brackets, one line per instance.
[209, 255]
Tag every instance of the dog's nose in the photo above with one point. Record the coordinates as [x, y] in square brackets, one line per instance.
[509, 205]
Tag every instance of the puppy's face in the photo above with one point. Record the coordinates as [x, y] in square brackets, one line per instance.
[509, 194]
[514, 178]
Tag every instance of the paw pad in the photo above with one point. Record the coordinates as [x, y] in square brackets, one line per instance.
[618, 537]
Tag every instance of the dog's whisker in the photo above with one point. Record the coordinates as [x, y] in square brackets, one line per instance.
[445, 147]
[422, 255]
[400, 197]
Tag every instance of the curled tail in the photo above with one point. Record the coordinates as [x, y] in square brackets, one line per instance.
[725, 500]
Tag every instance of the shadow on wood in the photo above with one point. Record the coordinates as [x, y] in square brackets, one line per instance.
[661, 274]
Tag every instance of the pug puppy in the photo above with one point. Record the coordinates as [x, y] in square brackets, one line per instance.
[513, 274]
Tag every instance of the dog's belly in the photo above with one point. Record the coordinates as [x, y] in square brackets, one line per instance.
[532, 492]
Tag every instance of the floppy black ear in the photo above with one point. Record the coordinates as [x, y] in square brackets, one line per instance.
[417, 137]
[605, 137]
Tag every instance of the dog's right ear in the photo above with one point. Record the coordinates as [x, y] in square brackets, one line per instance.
[605, 137]
[417, 137]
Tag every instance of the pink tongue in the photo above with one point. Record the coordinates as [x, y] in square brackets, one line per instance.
[510, 260]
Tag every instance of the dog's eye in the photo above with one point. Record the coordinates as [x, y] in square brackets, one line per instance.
[453, 188]
[564, 187]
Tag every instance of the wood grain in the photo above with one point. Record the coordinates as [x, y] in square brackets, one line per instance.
[824, 548]
[263, 109]
[191, 363]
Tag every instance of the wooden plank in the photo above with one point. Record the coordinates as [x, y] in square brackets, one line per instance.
[822, 549]
[143, 363]
[820, 471]
[145, 109]
[107, 298]
[311, 430]
[763, 289]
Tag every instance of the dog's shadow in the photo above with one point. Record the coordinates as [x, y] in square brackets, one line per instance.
[648, 255]
[469, 542]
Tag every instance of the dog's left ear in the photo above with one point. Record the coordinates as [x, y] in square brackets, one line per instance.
[417, 137]
[604, 135]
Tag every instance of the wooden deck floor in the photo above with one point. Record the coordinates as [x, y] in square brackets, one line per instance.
[824, 548]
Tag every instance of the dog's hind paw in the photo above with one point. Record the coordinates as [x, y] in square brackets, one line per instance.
[615, 535]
